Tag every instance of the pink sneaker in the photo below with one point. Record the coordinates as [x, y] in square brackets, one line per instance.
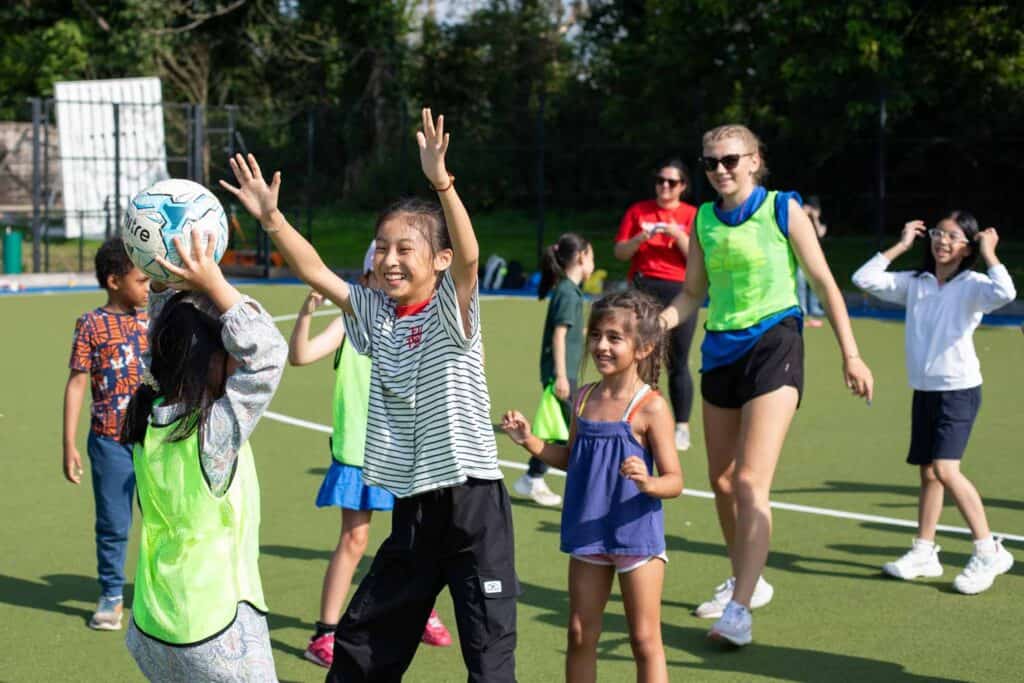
[321, 650]
[435, 633]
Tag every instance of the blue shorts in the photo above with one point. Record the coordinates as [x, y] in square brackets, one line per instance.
[941, 423]
[343, 487]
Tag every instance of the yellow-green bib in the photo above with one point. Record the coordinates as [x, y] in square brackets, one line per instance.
[751, 267]
[198, 553]
[351, 405]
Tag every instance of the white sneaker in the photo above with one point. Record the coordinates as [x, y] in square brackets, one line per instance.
[735, 625]
[982, 570]
[537, 489]
[920, 560]
[682, 437]
[714, 608]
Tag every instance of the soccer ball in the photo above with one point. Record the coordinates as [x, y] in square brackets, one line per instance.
[168, 209]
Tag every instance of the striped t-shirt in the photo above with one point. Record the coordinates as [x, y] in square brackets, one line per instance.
[429, 423]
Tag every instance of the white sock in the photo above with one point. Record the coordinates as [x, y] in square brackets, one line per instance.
[985, 546]
[921, 544]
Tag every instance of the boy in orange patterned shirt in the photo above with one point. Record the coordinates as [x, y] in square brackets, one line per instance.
[107, 353]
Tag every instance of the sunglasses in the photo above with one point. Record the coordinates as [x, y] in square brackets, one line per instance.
[729, 161]
[662, 180]
[954, 237]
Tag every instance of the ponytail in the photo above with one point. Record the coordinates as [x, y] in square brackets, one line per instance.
[550, 271]
[556, 258]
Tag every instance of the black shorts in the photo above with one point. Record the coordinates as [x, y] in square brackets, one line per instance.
[940, 424]
[460, 537]
[777, 360]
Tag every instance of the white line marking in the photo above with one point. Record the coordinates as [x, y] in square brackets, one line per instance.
[293, 316]
[794, 507]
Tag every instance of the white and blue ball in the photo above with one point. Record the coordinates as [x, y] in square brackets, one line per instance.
[168, 209]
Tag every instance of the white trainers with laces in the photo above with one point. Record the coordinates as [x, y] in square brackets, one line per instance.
[537, 489]
[713, 608]
[682, 437]
[981, 570]
[920, 560]
[735, 626]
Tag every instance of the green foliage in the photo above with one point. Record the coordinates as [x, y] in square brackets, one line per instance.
[592, 93]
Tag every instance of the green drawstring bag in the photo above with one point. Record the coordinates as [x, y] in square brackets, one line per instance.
[549, 422]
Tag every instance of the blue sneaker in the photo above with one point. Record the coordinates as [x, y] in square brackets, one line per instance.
[107, 616]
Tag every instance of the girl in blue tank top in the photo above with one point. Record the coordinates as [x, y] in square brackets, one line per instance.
[612, 521]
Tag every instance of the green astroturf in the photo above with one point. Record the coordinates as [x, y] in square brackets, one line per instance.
[833, 618]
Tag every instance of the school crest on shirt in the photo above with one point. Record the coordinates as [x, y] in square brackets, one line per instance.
[415, 337]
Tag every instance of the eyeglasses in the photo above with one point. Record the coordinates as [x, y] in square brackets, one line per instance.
[954, 237]
[671, 182]
[729, 161]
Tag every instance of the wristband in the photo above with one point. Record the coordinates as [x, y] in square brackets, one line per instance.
[451, 183]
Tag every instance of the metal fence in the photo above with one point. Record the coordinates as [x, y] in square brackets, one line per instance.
[335, 159]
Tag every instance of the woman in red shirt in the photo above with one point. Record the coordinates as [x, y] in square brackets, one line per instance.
[654, 237]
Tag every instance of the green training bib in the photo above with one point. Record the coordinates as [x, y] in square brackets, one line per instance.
[751, 267]
[198, 554]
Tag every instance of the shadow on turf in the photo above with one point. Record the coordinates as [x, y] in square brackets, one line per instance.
[52, 591]
[769, 661]
[901, 490]
[953, 561]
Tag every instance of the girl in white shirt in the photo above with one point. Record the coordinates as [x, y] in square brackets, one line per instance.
[945, 300]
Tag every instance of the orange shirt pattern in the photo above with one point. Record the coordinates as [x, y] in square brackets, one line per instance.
[109, 346]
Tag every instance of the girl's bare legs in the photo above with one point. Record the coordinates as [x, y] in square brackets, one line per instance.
[355, 534]
[641, 596]
[766, 420]
[965, 495]
[929, 505]
[589, 586]
[722, 437]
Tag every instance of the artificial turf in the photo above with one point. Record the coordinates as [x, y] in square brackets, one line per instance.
[834, 616]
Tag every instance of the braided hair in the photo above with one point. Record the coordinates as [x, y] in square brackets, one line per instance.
[639, 315]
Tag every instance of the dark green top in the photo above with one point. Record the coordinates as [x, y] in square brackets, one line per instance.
[565, 308]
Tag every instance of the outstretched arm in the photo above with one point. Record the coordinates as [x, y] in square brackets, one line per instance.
[808, 250]
[518, 429]
[433, 142]
[260, 200]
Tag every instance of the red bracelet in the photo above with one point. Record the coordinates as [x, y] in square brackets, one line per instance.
[451, 183]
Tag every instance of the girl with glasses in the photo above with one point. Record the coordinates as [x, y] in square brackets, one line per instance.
[654, 236]
[945, 299]
[744, 260]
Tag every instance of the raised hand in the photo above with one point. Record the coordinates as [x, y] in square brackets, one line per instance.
[516, 426]
[198, 270]
[433, 142]
[313, 301]
[635, 469]
[911, 231]
[987, 240]
[258, 198]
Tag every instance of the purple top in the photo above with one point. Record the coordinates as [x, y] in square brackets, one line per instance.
[604, 512]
